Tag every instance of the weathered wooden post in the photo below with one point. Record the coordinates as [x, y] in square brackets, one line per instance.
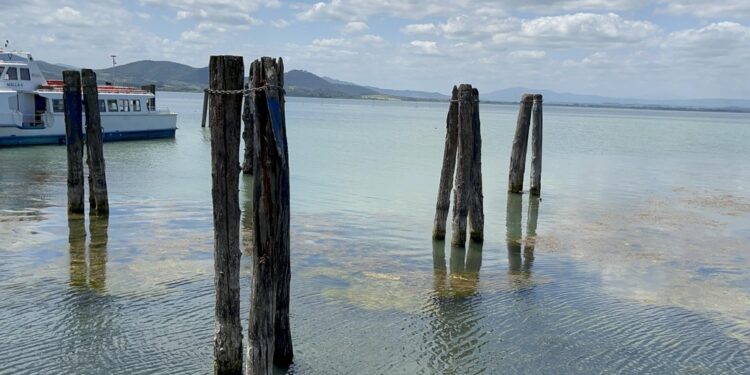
[226, 73]
[520, 144]
[247, 132]
[449, 164]
[74, 139]
[205, 108]
[95, 155]
[476, 199]
[269, 335]
[536, 146]
[462, 190]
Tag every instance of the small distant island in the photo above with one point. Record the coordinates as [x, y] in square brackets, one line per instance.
[172, 76]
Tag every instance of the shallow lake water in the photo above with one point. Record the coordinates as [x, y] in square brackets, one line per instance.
[635, 260]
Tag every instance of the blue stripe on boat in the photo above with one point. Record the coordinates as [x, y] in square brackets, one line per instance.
[108, 137]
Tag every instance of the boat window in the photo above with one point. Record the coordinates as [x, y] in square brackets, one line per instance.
[25, 75]
[102, 106]
[57, 105]
[136, 105]
[11, 74]
[112, 105]
[124, 105]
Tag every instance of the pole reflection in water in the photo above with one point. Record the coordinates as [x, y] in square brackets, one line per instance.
[464, 269]
[77, 241]
[99, 227]
[520, 267]
[454, 308]
[88, 270]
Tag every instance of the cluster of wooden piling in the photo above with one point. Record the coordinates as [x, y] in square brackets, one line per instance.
[463, 152]
[530, 109]
[269, 334]
[73, 107]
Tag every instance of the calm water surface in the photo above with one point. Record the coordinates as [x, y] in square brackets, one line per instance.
[635, 261]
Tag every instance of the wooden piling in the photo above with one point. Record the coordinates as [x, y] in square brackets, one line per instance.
[462, 190]
[269, 335]
[449, 164]
[247, 132]
[513, 231]
[476, 198]
[205, 108]
[520, 144]
[536, 147]
[98, 198]
[74, 139]
[226, 73]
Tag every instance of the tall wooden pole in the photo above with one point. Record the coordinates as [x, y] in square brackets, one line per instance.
[446, 173]
[74, 139]
[536, 147]
[462, 190]
[94, 139]
[269, 335]
[520, 144]
[226, 73]
[476, 199]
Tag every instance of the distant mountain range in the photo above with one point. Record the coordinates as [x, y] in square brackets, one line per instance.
[171, 76]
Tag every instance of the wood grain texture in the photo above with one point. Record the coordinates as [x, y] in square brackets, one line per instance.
[74, 139]
[226, 73]
[520, 144]
[98, 198]
[269, 335]
[536, 146]
[446, 172]
[462, 186]
[476, 197]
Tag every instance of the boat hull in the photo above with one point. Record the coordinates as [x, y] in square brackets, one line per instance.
[114, 128]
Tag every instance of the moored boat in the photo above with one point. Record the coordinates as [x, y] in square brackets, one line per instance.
[32, 112]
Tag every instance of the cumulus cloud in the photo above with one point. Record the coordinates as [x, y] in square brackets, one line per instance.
[355, 27]
[425, 47]
[419, 28]
[708, 9]
[527, 55]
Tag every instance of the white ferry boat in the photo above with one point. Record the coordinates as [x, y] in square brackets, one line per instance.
[31, 108]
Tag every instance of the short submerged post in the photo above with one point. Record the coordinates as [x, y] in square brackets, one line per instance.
[205, 108]
[536, 147]
[446, 173]
[269, 335]
[520, 145]
[98, 198]
[226, 73]
[74, 139]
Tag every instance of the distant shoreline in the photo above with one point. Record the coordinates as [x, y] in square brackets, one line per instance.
[574, 105]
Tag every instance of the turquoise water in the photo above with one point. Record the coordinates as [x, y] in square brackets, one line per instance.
[634, 261]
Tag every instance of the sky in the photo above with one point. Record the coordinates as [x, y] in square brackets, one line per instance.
[667, 49]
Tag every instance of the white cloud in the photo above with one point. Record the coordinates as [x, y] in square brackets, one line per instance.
[527, 55]
[708, 9]
[280, 23]
[355, 27]
[588, 28]
[425, 47]
[419, 28]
